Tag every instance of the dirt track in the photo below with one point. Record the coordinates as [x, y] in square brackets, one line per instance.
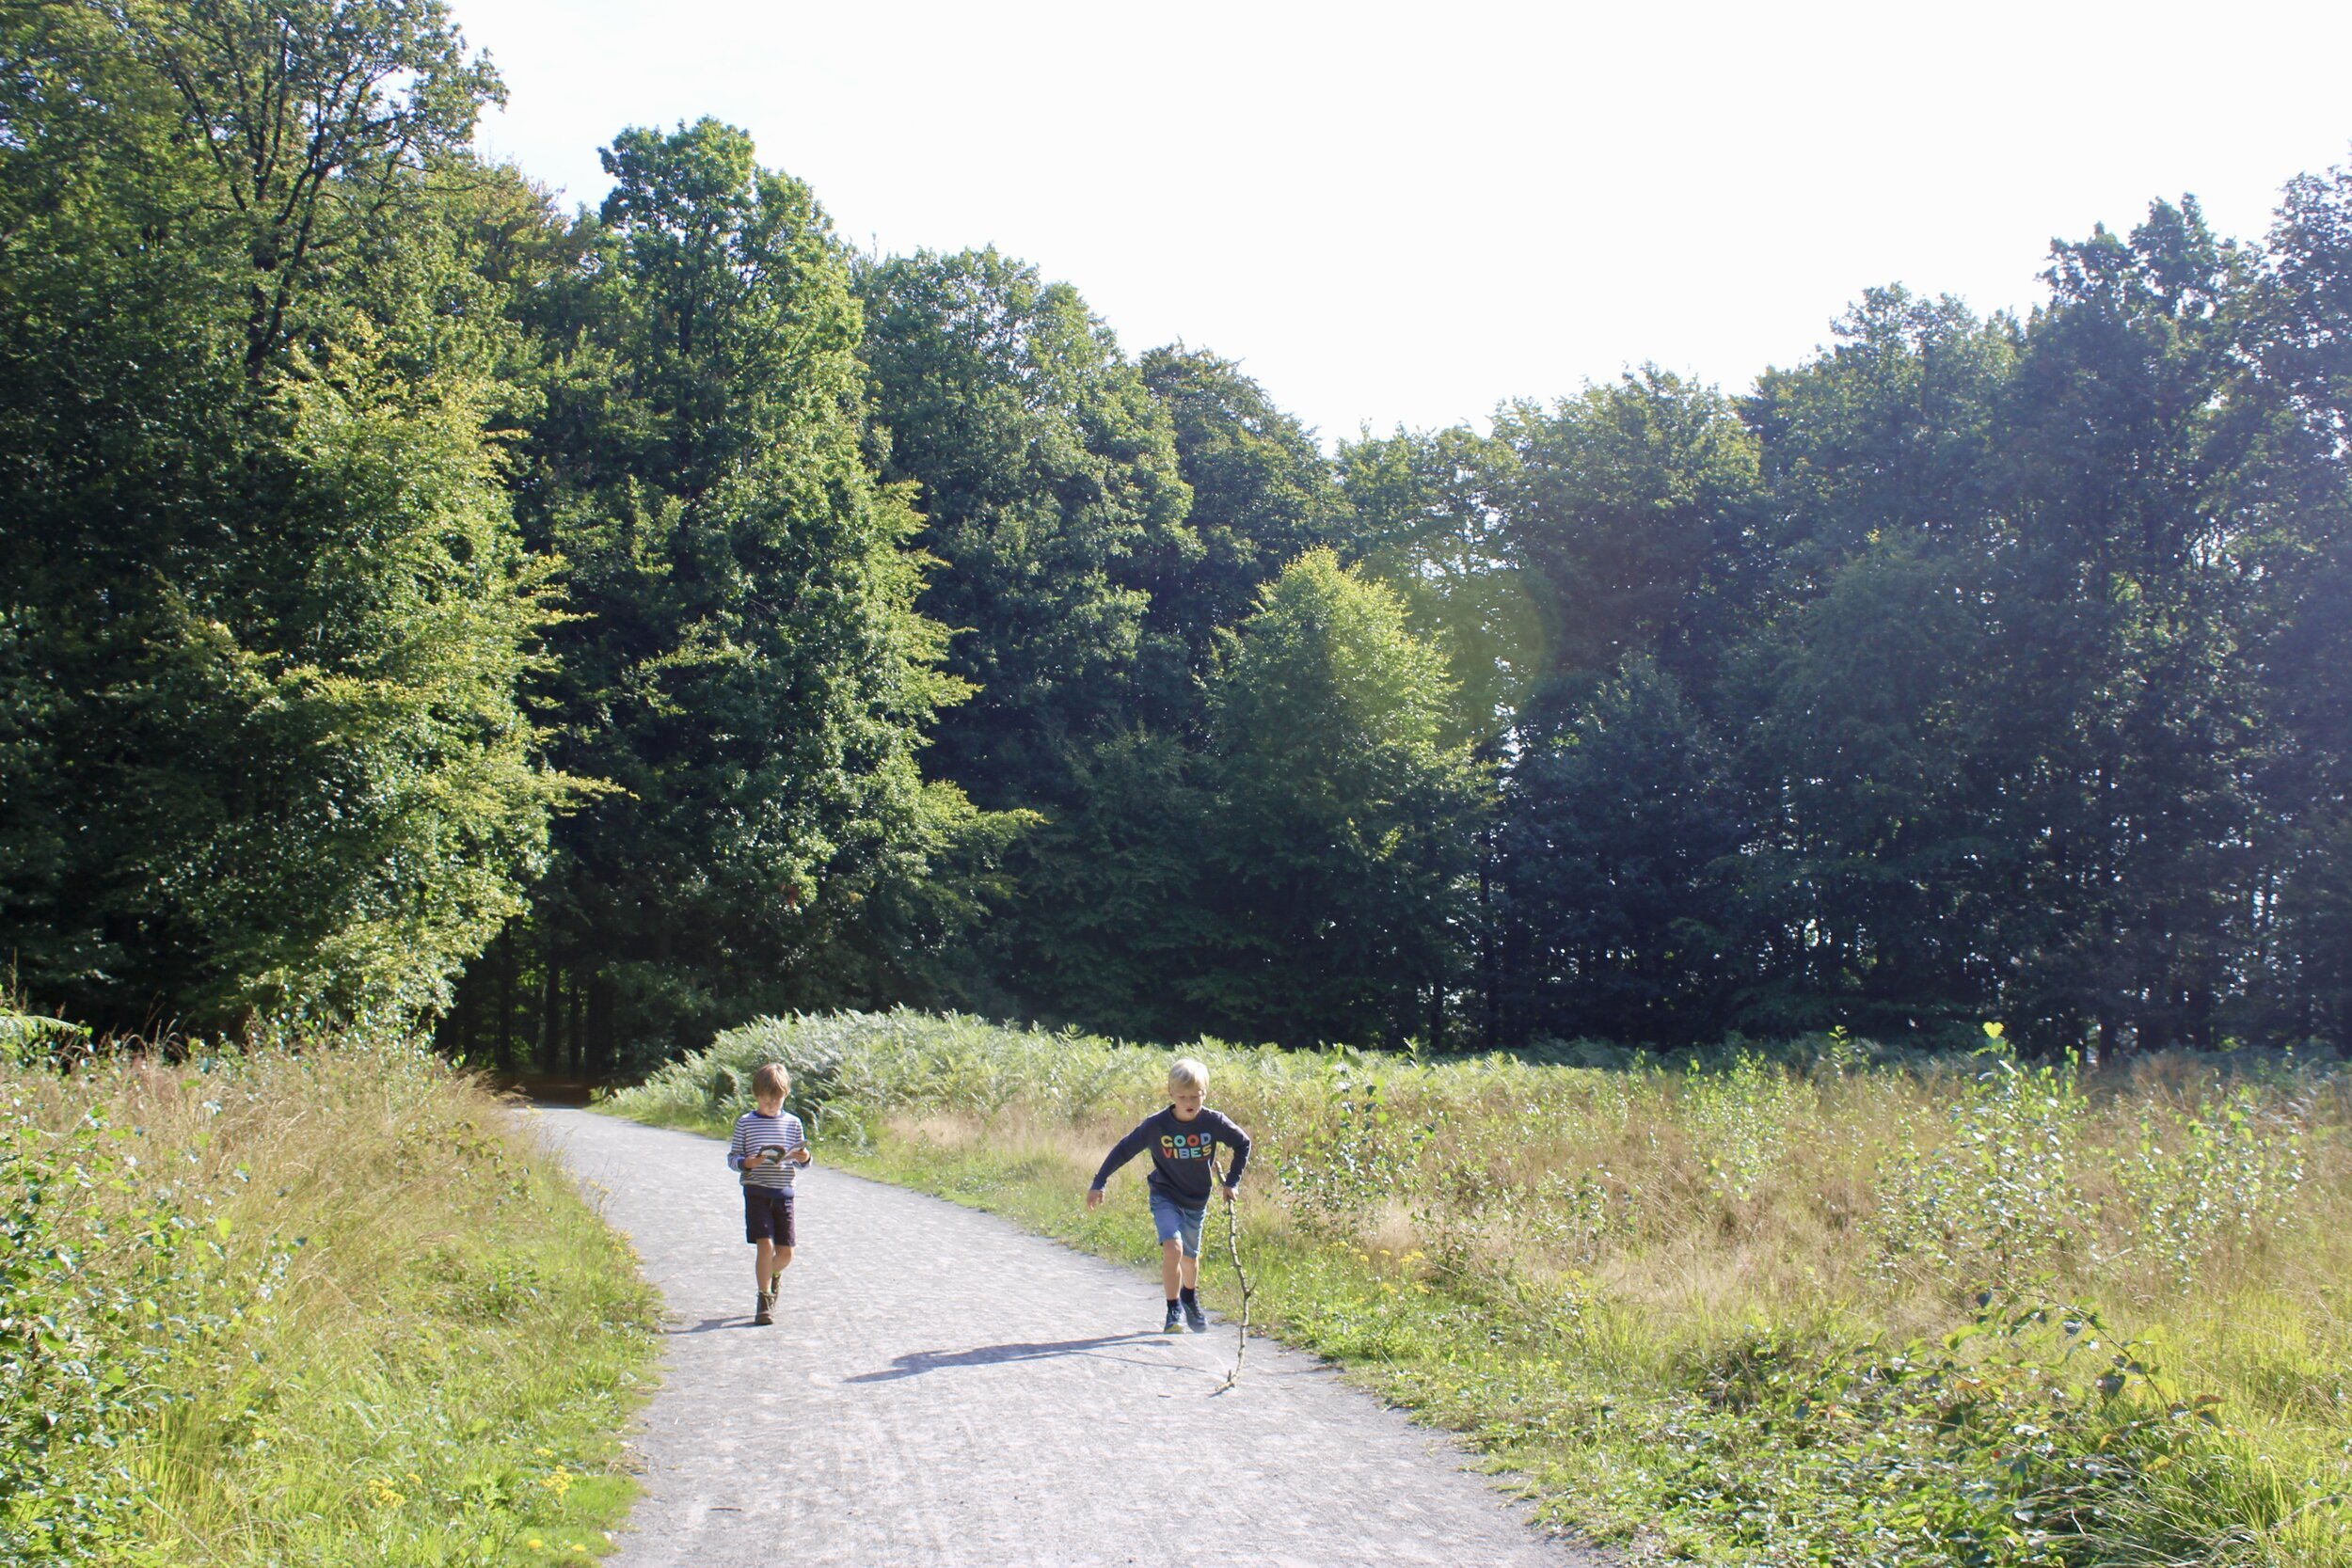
[941, 1388]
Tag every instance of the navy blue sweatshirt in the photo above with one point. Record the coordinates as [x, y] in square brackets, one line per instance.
[1181, 1151]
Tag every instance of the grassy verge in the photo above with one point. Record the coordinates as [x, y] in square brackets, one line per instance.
[1815, 1310]
[317, 1306]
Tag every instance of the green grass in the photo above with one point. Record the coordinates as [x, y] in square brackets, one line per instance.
[1821, 1309]
[322, 1306]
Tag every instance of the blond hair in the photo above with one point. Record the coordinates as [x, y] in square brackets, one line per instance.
[771, 1081]
[1189, 1072]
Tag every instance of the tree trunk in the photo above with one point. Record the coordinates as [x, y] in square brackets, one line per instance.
[506, 1039]
[551, 1001]
[581, 984]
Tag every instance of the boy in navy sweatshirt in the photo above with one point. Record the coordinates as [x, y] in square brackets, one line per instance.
[1183, 1140]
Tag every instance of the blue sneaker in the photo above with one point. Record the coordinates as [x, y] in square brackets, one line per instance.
[1175, 1324]
[1195, 1318]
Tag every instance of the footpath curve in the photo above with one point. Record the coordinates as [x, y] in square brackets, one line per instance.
[943, 1389]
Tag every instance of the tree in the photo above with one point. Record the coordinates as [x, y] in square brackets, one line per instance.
[1343, 822]
[1106, 925]
[744, 659]
[266, 616]
[1892, 432]
[1107, 917]
[1433, 521]
[1619, 844]
[2298, 336]
[1636, 506]
[2130, 502]
[1262, 494]
[1878, 879]
[1047, 476]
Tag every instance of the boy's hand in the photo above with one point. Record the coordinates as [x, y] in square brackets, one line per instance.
[1094, 1198]
[1231, 1193]
[800, 1156]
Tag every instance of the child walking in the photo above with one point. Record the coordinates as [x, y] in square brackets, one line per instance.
[1183, 1140]
[768, 1148]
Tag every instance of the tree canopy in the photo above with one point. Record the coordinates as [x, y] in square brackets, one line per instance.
[575, 632]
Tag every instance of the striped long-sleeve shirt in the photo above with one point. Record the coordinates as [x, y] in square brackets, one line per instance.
[755, 1132]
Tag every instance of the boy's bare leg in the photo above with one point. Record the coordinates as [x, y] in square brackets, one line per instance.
[771, 1262]
[1173, 1265]
[1190, 1275]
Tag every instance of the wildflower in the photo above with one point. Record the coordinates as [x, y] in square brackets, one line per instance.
[537, 1545]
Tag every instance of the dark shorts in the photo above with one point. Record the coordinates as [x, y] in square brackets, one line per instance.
[766, 1215]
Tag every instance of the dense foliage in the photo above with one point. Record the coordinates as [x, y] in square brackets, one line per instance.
[589, 630]
[262, 745]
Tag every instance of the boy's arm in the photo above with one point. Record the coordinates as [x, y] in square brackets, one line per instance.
[739, 1148]
[1123, 1150]
[1239, 1141]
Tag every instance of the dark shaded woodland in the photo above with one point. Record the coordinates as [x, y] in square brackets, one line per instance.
[582, 631]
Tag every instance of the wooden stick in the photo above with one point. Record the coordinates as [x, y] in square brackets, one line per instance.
[1233, 1249]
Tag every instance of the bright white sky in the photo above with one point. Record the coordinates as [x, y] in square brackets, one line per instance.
[1406, 213]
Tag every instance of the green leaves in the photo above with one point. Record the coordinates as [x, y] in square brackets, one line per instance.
[1047, 477]
[259, 556]
[745, 659]
[1341, 827]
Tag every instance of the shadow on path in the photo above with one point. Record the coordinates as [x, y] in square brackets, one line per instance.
[738, 1320]
[914, 1363]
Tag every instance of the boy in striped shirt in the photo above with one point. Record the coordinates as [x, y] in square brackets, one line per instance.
[767, 1148]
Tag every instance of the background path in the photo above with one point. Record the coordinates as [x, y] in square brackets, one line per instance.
[942, 1387]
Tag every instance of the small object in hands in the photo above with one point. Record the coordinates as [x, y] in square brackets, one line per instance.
[772, 1155]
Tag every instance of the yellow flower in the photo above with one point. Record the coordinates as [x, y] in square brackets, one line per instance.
[383, 1495]
[537, 1545]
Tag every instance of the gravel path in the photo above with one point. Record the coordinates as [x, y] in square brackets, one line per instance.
[942, 1387]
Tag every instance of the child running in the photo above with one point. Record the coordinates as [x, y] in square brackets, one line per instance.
[767, 1148]
[1183, 1139]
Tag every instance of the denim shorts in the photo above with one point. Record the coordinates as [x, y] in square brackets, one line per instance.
[1177, 1222]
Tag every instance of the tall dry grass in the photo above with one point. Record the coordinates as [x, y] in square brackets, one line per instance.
[1818, 1306]
[362, 1318]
